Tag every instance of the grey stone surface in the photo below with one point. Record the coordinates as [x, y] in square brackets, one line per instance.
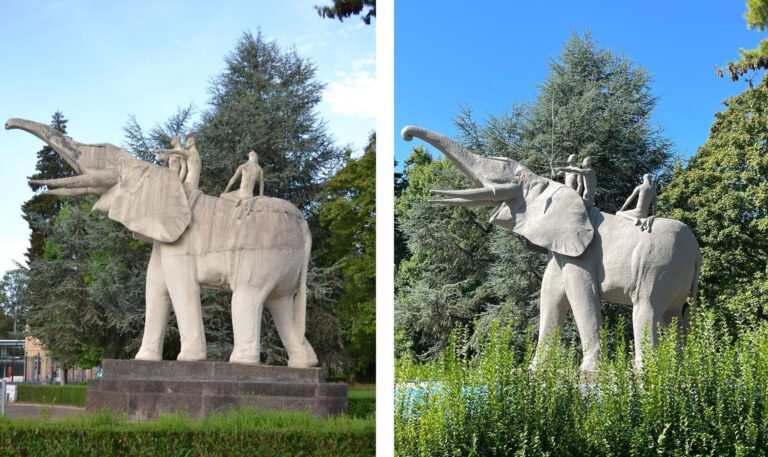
[257, 248]
[592, 256]
[146, 389]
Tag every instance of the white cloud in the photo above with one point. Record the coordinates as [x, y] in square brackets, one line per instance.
[10, 251]
[353, 95]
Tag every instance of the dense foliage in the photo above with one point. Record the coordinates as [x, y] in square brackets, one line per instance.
[346, 241]
[239, 433]
[722, 195]
[459, 269]
[751, 59]
[704, 396]
[342, 9]
[14, 302]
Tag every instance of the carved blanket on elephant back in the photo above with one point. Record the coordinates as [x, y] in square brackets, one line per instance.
[256, 223]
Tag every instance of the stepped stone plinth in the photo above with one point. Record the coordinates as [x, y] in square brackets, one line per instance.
[145, 389]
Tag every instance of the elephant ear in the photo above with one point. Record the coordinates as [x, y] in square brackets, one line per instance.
[148, 199]
[549, 215]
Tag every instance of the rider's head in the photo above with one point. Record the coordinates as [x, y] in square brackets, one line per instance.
[572, 160]
[253, 156]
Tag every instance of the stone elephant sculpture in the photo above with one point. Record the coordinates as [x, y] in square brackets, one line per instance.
[591, 255]
[258, 250]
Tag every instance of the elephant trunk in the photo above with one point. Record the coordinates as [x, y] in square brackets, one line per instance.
[496, 179]
[461, 156]
[63, 145]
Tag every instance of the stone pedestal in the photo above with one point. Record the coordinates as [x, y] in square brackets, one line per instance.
[146, 389]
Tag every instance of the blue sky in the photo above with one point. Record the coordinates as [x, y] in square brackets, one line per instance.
[488, 55]
[99, 62]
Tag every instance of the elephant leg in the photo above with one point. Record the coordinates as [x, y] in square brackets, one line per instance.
[582, 293]
[645, 328]
[300, 352]
[553, 305]
[184, 290]
[158, 309]
[247, 304]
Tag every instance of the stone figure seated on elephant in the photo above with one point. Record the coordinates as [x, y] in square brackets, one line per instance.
[258, 251]
[604, 257]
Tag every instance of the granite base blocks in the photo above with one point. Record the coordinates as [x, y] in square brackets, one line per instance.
[145, 389]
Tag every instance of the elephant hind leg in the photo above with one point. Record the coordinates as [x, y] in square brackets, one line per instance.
[300, 352]
[158, 308]
[645, 328]
[247, 304]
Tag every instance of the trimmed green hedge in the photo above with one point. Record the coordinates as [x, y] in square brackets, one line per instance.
[362, 403]
[239, 433]
[73, 394]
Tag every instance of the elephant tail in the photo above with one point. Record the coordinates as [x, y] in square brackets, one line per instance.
[300, 300]
[686, 315]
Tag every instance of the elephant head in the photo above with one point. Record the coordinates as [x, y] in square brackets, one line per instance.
[545, 212]
[148, 199]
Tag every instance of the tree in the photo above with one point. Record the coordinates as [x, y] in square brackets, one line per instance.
[13, 298]
[87, 302]
[751, 59]
[40, 211]
[265, 101]
[722, 195]
[463, 270]
[347, 215]
[342, 9]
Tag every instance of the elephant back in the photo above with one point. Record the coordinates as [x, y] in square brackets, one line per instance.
[219, 225]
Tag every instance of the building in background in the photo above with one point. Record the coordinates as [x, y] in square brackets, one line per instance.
[38, 368]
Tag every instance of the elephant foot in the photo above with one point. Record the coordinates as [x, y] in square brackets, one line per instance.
[234, 358]
[306, 360]
[190, 356]
[145, 354]
[588, 366]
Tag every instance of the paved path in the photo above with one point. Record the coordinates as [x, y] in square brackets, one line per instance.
[17, 410]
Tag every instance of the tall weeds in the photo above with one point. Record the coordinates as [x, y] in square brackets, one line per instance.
[703, 394]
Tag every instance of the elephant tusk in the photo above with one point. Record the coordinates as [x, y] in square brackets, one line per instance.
[76, 192]
[106, 178]
[500, 193]
[463, 202]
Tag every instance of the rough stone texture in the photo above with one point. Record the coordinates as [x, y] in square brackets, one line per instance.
[146, 389]
[593, 256]
[258, 249]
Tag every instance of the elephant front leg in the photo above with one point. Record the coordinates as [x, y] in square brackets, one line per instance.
[158, 309]
[181, 279]
[553, 306]
[584, 298]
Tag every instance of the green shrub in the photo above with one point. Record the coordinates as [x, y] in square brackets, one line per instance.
[362, 403]
[707, 395]
[239, 433]
[71, 394]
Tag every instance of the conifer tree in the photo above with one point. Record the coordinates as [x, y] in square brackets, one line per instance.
[40, 211]
[462, 269]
